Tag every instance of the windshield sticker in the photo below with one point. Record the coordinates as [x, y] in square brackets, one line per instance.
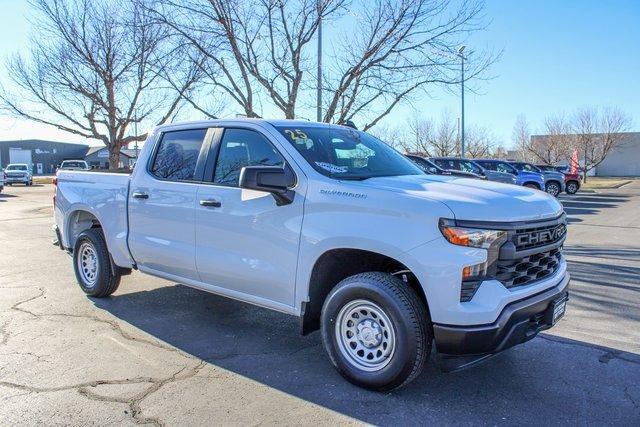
[332, 168]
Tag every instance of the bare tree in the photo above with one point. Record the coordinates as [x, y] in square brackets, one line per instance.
[401, 46]
[420, 136]
[94, 68]
[555, 145]
[597, 133]
[521, 136]
[480, 143]
[250, 48]
[394, 136]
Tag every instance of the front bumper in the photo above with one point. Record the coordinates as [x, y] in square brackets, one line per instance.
[15, 179]
[518, 322]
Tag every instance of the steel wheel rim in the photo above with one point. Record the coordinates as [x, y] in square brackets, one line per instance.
[365, 335]
[88, 264]
[572, 188]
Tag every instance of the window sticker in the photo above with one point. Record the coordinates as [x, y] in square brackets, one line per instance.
[332, 168]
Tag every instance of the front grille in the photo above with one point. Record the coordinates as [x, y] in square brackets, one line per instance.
[533, 237]
[526, 270]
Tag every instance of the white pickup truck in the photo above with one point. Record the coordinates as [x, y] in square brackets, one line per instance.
[330, 224]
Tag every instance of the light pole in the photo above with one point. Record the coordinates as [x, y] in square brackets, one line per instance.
[461, 55]
[319, 95]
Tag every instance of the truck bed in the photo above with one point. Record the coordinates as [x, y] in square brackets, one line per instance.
[103, 195]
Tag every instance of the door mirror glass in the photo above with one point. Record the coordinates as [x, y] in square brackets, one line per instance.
[273, 179]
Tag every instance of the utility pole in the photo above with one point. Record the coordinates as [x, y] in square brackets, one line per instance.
[319, 95]
[135, 132]
[461, 55]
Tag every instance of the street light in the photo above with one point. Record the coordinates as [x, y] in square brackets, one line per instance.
[461, 55]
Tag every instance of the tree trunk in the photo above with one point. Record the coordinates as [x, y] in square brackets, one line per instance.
[114, 156]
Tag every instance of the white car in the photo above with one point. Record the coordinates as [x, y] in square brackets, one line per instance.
[329, 224]
[19, 173]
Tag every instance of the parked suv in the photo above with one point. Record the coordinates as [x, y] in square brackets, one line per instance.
[432, 169]
[329, 224]
[571, 180]
[19, 173]
[524, 178]
[466, 165]
[553, 180]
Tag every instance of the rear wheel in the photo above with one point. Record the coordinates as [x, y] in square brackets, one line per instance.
[572, 187]
[376, 331]
[553, 188]
[92, 265]
[531, 185]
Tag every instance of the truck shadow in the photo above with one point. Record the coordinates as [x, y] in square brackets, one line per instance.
[544, 379]
[590, 204]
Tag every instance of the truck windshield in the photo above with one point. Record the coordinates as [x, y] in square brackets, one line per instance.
[72, 165]
[344, 153]
[17, 167]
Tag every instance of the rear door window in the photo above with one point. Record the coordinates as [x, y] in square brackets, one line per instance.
[177, 155]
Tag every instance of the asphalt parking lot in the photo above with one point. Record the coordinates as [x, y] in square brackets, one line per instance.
[166, 354]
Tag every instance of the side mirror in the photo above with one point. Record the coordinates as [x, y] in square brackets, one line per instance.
[273, 179]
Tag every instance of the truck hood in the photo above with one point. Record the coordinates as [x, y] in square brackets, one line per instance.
[473, 199]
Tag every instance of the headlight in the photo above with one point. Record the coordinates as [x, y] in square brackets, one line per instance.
[472, 237]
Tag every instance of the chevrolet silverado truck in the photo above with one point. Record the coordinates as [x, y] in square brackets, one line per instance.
[19, 172]
[329, 224]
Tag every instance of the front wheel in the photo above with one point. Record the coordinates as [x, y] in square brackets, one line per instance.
[376, 331]
[92, 265]
[572, 187]
[553, 189]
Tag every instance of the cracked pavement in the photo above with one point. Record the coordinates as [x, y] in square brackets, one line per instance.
[163, 354]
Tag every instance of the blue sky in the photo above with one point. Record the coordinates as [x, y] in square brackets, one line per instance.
[557, 56]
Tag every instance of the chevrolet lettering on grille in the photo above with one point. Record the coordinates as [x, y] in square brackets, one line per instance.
[541, 237]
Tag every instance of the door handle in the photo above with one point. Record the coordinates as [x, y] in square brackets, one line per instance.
[137, 195]
[210, 202]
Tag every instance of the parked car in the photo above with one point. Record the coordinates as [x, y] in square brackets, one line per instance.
[466, 165]
[432, 169]
[553, 180]
[571, 180]
[19, 173]
[524, 178]
[77, 165]
[329, 224]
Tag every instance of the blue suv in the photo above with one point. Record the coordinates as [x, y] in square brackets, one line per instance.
[523, 177]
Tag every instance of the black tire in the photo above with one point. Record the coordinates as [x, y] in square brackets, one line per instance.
[553, 188]
[531, 185]
[410, 322]
[572, 187]
[105, 281]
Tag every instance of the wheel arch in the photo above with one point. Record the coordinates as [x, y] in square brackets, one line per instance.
[337, 264]
[78, 221]
[532, 183]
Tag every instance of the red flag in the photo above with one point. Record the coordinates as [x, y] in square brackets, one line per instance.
[574, 162]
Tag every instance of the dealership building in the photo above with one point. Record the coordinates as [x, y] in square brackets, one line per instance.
[43, 156]
[622, 160]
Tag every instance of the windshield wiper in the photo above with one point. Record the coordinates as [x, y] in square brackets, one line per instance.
[350, 177]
